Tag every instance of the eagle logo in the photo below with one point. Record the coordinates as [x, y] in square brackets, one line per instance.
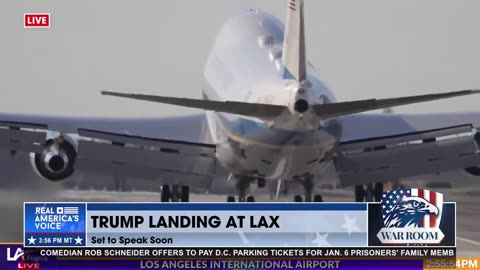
[411, 208]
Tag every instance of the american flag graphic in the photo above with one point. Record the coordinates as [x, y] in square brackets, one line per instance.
[394, 200]
[67, 210]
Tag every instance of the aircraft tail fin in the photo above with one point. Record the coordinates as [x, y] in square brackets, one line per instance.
[294, 58]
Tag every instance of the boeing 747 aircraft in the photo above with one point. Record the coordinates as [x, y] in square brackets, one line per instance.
[268, 117]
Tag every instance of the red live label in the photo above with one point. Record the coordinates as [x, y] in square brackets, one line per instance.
[26, 265]
[36, 20]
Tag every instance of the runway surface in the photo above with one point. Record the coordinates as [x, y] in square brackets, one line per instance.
[11, 205]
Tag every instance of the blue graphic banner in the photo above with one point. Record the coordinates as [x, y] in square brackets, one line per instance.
[54, 224]
[226, 225]
[195, 225]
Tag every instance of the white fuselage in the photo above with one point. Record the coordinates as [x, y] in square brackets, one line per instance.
[246, 65]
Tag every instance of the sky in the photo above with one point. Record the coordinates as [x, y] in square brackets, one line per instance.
[362, 49]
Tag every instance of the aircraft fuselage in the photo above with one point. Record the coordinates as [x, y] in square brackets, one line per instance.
[246, 65]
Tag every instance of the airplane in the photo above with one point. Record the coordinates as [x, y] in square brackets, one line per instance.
[267, 117]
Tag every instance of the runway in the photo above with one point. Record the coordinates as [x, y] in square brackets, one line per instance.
[11, 205]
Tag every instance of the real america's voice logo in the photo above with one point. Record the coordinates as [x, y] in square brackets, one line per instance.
[411, 216]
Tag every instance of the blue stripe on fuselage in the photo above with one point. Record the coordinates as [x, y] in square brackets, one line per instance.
[260, 133]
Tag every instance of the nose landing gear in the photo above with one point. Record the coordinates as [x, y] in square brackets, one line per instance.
[175, 193]
[308, 185]
[372, 193]
[243, 183]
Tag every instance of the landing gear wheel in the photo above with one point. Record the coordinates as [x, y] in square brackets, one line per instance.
[298, 198]
[230, 199]
[261, 182]
[377, 192]
[318, 198]
[243, 183]
[185, 194]
[120, 183]
[165, 194]
[307, 183]
[359, 193]
[250, 199]
[369, 193]
[175, 195]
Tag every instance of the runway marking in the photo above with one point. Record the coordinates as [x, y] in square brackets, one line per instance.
[468, 241]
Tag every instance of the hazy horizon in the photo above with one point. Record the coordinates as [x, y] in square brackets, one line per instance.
[362, 49]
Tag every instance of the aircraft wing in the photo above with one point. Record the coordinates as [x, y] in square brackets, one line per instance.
[383, 147]
[173, 150]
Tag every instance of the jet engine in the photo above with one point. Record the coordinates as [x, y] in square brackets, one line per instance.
[474, 170]
[56, 161]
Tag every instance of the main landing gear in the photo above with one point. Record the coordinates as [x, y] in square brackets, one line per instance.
[175, 193]
[120, 183]
[372, 193]
[308, 185]
[243, 184]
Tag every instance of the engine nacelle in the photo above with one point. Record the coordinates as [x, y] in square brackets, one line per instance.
[474, 170]
[56, 161]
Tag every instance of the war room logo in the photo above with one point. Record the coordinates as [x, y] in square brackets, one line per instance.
[411, 216]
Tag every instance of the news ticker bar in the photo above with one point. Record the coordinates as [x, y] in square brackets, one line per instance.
[145, 225]
[248, 253]
[14, 256]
